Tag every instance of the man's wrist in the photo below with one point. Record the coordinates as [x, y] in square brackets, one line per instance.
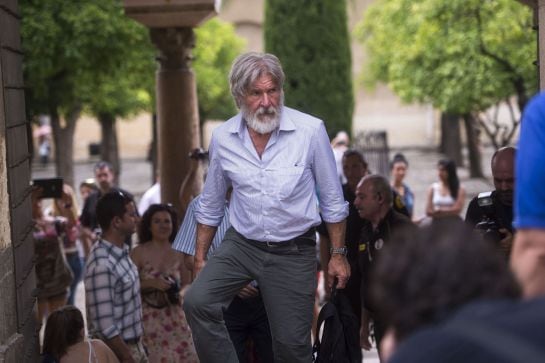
[341, 250]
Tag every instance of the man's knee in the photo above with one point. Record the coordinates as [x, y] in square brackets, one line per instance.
[197, 303]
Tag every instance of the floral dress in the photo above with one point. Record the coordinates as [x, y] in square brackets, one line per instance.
[166, 333]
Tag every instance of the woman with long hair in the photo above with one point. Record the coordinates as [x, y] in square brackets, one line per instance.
[166, 332]
[446, 197]
[64, 340]
[398, 168]
[66, 208]
[53, 275]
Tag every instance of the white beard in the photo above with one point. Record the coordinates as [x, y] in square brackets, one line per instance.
[264, 120]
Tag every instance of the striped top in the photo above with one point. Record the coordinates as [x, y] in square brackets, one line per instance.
[187, 234]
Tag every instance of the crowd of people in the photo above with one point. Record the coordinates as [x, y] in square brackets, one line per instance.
[236, 280]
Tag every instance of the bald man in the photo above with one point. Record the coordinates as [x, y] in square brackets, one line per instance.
[503, 172]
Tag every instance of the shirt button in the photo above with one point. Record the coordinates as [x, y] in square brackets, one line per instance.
[264, 212]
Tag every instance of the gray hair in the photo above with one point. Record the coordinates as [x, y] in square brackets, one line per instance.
[248, 67]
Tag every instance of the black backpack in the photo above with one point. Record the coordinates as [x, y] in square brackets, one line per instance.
[340, 341]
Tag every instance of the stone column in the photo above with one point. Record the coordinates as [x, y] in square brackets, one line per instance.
[178, 127]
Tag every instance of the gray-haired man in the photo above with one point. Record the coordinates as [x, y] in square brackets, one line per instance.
[275, 158]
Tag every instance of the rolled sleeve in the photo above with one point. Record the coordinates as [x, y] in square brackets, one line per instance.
[99, 301]
[333, 207]
[209, 208]
[187, 234]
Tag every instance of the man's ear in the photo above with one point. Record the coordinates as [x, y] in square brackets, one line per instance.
[379, 197]
[115, 222]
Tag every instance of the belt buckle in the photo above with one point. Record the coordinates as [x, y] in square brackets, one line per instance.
[270, 244]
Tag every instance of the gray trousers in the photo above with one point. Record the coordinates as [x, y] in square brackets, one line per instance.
[286, 276]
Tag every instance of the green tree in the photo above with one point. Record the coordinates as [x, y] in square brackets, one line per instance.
[87, 56]
[461, 56]
[71, 48]
[311, 40]
[217, 46]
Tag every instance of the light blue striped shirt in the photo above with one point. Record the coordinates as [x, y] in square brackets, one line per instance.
[187, 234]
[274, 198]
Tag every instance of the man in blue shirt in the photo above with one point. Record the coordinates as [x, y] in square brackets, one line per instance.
[528, 254]
[275, 158]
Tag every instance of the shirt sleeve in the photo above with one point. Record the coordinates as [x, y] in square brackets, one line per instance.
[187, 234]
[210, 208]
[333, 207]
[99, 282]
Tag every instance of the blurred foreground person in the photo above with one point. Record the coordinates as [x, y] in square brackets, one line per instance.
[528, 255]
[166, 334]
[447, 296]
[64, 340]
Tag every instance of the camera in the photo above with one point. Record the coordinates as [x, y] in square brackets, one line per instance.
[199, 154]
[488, 226]
[173, 293]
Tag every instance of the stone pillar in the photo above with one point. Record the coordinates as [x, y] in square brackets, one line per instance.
[178, 127]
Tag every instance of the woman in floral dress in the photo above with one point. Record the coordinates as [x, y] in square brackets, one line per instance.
[166, 333]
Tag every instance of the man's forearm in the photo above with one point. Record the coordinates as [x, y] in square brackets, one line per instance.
[336, 233]
[120, 348]
[205, 234]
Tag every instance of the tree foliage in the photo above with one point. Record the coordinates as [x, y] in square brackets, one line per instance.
[311, 40]
[461, 56]
[87, 56]
[217, 46]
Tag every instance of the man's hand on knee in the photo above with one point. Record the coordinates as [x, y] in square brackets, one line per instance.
[248, 291]
[198, 265]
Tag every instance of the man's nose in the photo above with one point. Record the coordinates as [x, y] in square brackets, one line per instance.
[265, 100]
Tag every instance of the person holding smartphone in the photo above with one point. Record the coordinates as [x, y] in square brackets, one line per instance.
[53, 276]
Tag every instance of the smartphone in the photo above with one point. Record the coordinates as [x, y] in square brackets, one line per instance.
[51, 187]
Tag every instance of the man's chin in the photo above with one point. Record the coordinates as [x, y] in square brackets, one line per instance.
[506, 199]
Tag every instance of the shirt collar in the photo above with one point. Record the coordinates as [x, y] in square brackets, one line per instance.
[115, 251]
[286, 123]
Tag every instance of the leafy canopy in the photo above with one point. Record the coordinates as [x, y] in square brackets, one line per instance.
[311, 40]
[459, 55]
[88, 53]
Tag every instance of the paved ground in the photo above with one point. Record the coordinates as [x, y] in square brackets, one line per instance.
[136, 178]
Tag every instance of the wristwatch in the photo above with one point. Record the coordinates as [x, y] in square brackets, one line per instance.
[339, 250]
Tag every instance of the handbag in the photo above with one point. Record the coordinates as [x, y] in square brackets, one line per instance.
[53, 274]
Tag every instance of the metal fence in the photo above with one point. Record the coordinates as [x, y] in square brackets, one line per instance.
[374, 147]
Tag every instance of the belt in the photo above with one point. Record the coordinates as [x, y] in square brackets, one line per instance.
[132, 341]
[307, 239]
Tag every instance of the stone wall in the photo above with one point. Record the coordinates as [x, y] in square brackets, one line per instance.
[18, 335]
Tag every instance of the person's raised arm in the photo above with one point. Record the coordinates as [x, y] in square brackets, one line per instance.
[429, 202]
[205, 234]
